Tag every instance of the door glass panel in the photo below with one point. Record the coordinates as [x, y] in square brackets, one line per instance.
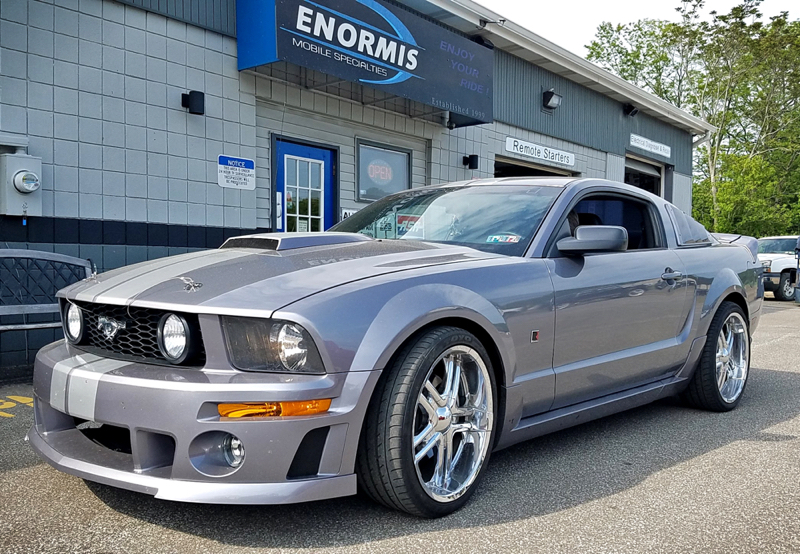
[316, 203]
[302, 201]
[304, 194]
[302, 173]
[316, 176]
[291, 172]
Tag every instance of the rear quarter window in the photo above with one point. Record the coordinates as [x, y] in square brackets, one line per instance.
[688, 231]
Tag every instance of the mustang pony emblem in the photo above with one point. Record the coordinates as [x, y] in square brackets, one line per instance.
[109, 327]
[190, 285]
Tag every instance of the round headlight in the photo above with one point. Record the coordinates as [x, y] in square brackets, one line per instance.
[292, 349]
[73, 323]
[233, 450]
[173, 338]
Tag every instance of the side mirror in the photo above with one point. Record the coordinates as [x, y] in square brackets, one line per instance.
[594, 238]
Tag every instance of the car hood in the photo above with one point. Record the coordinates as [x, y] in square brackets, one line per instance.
[774, 256]
[257, 281]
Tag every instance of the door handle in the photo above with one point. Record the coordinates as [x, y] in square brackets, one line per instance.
[670, 275]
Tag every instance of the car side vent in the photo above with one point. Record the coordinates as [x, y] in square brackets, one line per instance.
[309, 454]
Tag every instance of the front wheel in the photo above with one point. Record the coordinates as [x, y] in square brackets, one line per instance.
[785, 289]
[429, 428]
[721, 376]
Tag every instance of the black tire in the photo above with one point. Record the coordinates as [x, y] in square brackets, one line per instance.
[703, 391]
[785, 290]
[385, 462]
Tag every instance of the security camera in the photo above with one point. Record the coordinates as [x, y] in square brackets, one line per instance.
[450, 124]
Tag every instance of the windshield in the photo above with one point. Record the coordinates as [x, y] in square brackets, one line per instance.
[495, 218]
[776, 246]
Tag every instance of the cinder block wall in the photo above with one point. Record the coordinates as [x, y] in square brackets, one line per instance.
[96, 87]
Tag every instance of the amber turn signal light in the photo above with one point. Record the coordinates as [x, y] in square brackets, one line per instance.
[275, 409]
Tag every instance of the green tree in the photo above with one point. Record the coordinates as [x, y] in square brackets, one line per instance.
[741, 75]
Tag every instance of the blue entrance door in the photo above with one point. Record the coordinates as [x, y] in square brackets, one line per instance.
[305, 196]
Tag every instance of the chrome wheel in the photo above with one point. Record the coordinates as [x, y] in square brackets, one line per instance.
[733, 357]
[452, 423]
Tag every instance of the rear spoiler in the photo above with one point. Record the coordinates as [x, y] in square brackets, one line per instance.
[750, 243]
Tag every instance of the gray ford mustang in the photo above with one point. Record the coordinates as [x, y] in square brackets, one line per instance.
[397, 352]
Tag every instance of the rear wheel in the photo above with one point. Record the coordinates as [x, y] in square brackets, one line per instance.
[429, 429]
[721, 376]
[785, 289]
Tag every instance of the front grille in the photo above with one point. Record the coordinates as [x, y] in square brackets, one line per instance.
[138, 340]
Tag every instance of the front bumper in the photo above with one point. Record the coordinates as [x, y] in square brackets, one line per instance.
[771, 281]
[166, 430]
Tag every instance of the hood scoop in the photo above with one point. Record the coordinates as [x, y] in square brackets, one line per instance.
[288, 241]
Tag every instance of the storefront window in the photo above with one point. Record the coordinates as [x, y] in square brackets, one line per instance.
[382, 170]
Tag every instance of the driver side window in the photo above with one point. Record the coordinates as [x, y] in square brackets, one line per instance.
[636, 216]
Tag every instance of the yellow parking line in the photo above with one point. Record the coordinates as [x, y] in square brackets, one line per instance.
[22, 400]
[4, 405]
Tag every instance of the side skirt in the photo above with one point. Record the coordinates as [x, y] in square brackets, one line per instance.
[569, 416]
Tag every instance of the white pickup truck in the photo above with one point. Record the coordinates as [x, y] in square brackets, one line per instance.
[777, 255]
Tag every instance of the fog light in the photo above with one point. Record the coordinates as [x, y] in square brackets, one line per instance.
[233, 450]
[275, 409]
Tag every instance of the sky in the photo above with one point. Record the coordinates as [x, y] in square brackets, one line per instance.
[571, 24]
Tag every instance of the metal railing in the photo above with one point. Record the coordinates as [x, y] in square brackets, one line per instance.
[29, 280]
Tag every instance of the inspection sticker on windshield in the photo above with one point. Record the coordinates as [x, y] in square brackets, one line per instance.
[503, 238]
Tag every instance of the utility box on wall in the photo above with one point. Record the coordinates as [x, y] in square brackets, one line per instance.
[20, 186]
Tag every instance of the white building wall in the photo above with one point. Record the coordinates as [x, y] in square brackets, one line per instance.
[96, 86]
[293, 112]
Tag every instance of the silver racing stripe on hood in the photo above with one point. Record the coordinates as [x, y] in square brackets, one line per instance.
[115, 277]
[125, 287]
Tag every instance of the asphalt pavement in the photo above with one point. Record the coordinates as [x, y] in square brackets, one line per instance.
[662, 478]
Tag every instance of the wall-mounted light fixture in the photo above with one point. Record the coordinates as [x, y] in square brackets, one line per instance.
[195, 101]
[550, 99]
[471, 161]
[630, 110]
[484, 22]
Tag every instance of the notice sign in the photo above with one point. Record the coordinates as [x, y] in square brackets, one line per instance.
[650, 145]
[531, 150]
[236, 173]
[375, 43]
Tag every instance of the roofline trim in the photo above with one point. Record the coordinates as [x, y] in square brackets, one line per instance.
[473, 13]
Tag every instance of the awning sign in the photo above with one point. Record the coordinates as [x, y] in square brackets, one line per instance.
[236, 173]
[650, 146]
[538, 152]
[373, 43]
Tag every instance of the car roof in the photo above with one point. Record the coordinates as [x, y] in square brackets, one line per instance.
[780, 237]
[530, 181]
[566, 182]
